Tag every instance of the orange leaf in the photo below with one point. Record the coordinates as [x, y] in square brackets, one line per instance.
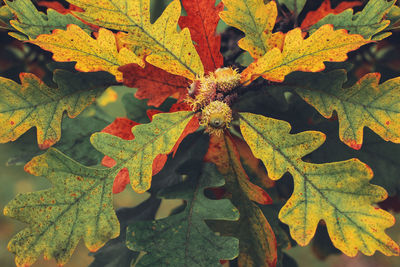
[154, 83]
[324, 10]
[59, 7]
[202, 19]
[231, 166]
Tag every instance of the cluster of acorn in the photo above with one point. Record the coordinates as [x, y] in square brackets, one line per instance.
[213, 95]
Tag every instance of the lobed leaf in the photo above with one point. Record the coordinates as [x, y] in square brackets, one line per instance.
[74, 44]
[365, 104]
[368, 22]
[78, 205]
[325, 9]
[256, 20]
[184, 239]
[202, 20]
[154, 84]
[161, 136]
[31, 23]
[257, 243]
[163, 45]
[338, 193]
[34, 104]
[306, 55]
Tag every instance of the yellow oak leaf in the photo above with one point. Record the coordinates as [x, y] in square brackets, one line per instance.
[257, 21]
[74, 44]
[163, 45]
[338, 193]
[306, 55]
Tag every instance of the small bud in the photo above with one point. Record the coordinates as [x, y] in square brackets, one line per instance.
[216, 117]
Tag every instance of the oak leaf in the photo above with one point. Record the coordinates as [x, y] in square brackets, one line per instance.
[257, 243]
[33, 104]
[257, 21]
[369, 22]
[79, 205]
[152, 139]
[90, 54]
[163, 45]
[184, 239]
[338, 193]
[154, 84]
[306, 55]
[325, 9]
[202, 20]
[365, 104]
[30, 22]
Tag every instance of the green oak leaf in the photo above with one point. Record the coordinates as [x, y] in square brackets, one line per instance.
[34, 104]
[365, 104]
[369, 22]
[79, 205]
[184, 239]
[31, 23]
[338, 193]
[151, 140]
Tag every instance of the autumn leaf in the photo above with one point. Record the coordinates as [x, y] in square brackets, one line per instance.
[59, 7]
[34, 104]
[306, 55]
[122, 128]
[229, 166]
[338, 193]
[5, 17]
[90, 54]
[192, 242]
[252, 165]
[257, 21]
[79, 205]
[151, 140]
[163, 45]
[257, 241]
[325, 9]
[31, 23]
[202, 19]
[365, 104]
[368, 22]
[154, 84]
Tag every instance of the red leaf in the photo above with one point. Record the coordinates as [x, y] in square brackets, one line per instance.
[59, 7]
[325, 9]
[153, 83]
[202, 19]
[218, 154]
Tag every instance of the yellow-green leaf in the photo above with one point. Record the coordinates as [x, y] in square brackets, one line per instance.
[164, 46]
[306, 55]
[366, 104]
[151, 140]
[79, 205]
[338, 193]
[33, 104]
[30, 23]
[257, 21]
[90, 54]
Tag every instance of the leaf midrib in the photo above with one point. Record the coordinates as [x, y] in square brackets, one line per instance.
[306, 179]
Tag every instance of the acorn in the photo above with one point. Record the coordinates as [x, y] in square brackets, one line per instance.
[216, 117]
[226, 79]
